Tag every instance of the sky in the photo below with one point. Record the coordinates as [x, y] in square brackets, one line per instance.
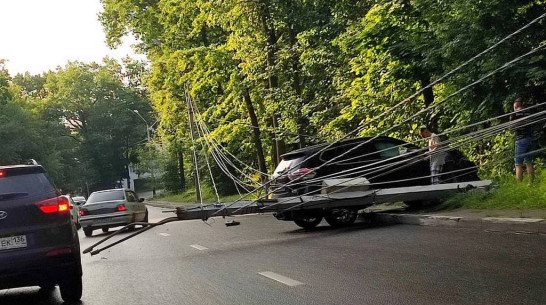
[39, 35]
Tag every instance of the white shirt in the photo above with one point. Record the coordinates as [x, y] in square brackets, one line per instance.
[436, 158]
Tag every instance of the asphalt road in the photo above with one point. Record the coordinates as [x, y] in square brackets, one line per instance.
[265, 261]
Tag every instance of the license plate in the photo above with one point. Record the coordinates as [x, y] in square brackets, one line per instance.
[101, 220]
[13, 242]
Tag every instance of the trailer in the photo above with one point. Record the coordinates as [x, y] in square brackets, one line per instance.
[337, 208]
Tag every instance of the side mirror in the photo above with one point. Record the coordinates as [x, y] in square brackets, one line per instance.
[141, 200]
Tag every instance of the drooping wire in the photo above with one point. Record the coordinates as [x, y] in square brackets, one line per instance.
[506, 65]
[197, 179]
[219, 157]
[448, 74]
[207, 159]
[443, 150]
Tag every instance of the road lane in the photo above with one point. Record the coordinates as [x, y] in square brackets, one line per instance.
[359, 265]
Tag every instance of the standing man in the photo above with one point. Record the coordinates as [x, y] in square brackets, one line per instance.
[524, 143]
[437, 157]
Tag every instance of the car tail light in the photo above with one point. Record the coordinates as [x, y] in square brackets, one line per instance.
[302, 174]
[83, 212]
[58, 252]
[2, 174]
[121, 208]
[54, 205]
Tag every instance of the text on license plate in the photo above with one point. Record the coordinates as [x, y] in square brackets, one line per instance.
[13, 242]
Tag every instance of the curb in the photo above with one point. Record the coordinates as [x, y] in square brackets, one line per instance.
[161, 204]
[489, 224]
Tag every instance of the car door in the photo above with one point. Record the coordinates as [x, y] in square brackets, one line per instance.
[400, 164]
[358, 160]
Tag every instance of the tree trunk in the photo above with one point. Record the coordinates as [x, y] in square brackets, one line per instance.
[256, 135]
[181, 175]
[273, 81]
[300, 119]
[428, 96]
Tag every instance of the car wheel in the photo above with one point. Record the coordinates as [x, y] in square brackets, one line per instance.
[308, 222]
[105, 230]
[88, 232]
[78, 226]
[71, 288]
[338, 218]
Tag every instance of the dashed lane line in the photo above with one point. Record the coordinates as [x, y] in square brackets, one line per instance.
[164, 234]
[199, 247]
[280, 278]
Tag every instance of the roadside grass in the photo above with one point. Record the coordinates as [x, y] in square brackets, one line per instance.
[506, 195]
[189, 196]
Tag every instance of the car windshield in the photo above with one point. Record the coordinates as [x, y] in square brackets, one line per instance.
[105, 196]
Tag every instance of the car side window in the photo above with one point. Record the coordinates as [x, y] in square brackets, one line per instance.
[359, 153]
[130, 197]
[388, 150]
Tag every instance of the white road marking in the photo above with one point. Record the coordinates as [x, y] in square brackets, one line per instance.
[280, 278]
[198, 247]
[164, 234]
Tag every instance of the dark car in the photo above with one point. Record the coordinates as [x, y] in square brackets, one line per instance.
[39, 243]
[388, 162]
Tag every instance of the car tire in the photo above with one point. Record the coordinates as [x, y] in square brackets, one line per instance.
[88, 232]
[71, 288]
[339, 218]
[78, 226]
[308, 222]
[105, 230]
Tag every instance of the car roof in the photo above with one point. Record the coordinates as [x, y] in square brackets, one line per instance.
[315, 148]
[20, 166]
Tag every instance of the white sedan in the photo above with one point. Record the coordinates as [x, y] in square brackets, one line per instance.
[112, 208]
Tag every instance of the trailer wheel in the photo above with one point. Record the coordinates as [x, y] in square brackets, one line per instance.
[338, 218]
[308, 222]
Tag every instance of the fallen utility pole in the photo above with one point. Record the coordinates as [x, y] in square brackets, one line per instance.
[349, 200]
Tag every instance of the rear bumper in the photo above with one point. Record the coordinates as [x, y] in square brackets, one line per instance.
[37, 272]
[107, 220]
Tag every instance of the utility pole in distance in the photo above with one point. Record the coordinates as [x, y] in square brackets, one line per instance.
[197, 182]
[152, 163]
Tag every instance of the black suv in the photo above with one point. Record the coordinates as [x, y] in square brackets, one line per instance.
[39, 243]
[410, 167]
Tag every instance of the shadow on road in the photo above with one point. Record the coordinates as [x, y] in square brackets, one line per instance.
[328, 230]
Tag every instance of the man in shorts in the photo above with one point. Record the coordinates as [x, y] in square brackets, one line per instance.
[524, 142]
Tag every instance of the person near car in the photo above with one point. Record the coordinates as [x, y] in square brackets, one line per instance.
[436, 155]
[524, 142]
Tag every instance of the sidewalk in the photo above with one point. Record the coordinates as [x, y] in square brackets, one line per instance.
[516, 221]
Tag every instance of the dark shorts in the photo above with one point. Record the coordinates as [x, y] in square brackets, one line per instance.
[523, 148]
